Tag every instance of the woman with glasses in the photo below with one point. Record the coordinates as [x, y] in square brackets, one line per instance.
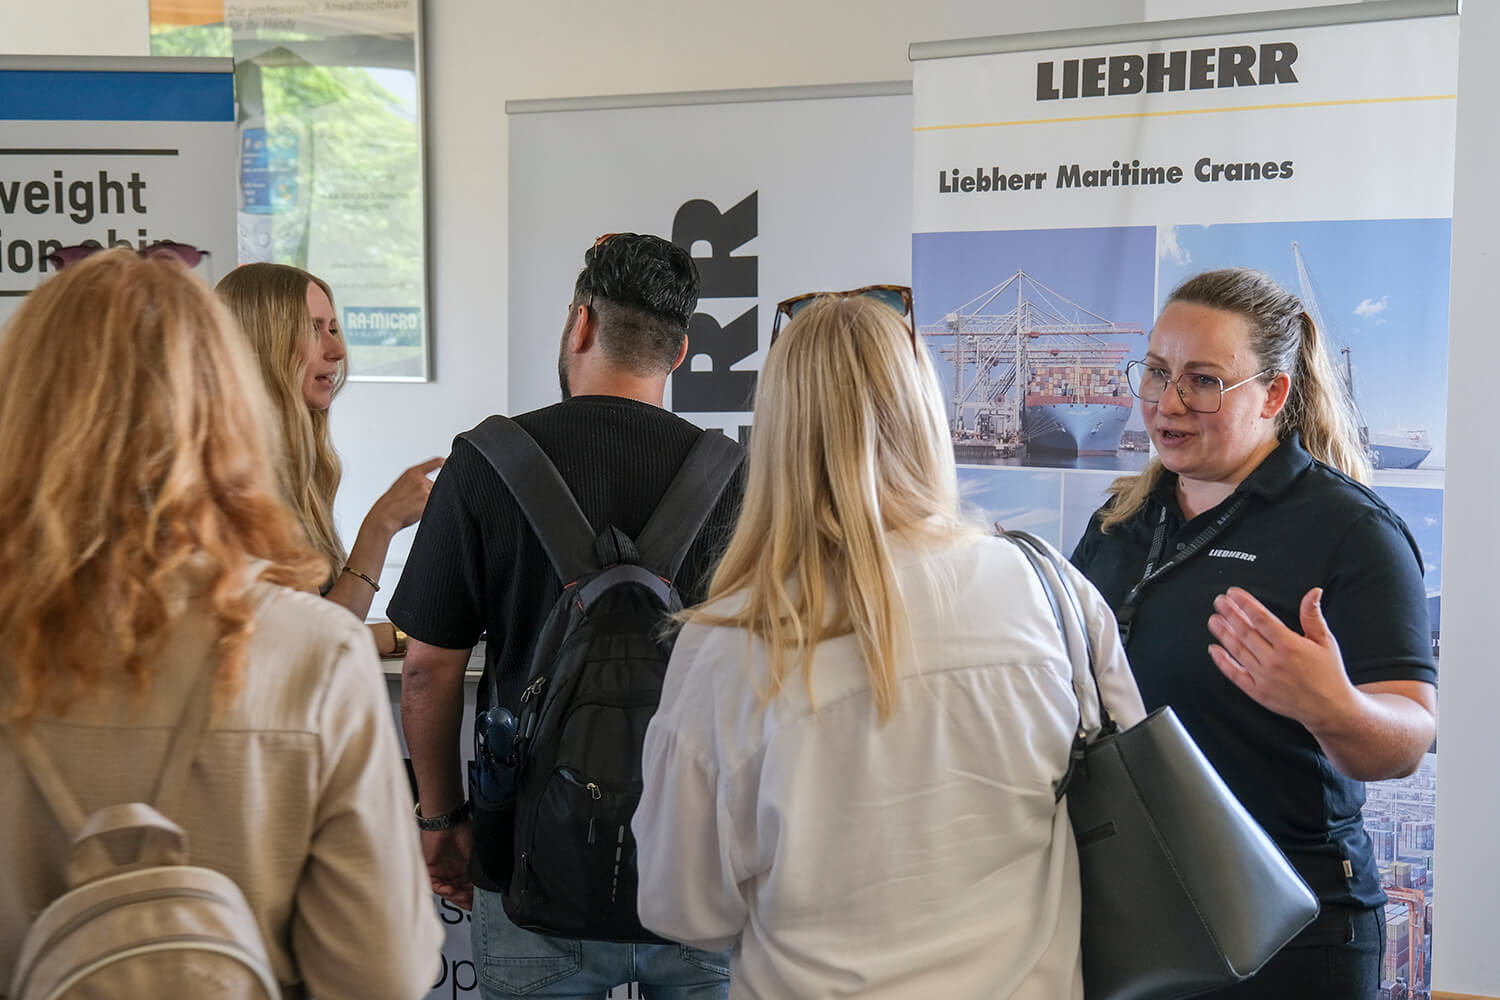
[150, 573]
[1273, 600]
[290, 321]
[850, 777]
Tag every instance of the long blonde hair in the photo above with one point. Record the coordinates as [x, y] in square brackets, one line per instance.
[1284, 338]
[270, 303]
[850, 443]
[137, 446]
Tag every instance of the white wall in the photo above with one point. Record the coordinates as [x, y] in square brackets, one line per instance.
[75, 28]
[1465, 958]
[1171, 10]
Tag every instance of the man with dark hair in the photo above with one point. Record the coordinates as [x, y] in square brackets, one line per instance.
[643, 291]
[476, 566]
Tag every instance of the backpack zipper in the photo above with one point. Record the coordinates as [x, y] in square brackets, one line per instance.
[594, 812]
[533, 689]
[184, 942]
[148, 896]
[595, 794]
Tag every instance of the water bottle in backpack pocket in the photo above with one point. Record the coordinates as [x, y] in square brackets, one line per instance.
[492, 787]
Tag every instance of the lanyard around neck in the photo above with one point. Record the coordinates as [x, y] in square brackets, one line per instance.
[1126, 612]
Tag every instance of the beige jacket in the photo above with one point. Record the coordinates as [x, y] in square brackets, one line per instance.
[298, 794]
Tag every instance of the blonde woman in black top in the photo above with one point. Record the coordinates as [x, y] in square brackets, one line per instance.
[1270, 597]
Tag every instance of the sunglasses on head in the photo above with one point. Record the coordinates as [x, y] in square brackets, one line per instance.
[188, 254]
[593, 251]
[898, 297]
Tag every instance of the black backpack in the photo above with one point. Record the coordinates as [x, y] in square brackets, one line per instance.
[594, 684]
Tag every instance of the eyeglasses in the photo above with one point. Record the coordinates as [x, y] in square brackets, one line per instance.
[1199, 391]
[898, 297]
[188, 254]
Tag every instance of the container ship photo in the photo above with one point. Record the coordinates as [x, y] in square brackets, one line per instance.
[1399, 449]
[1078, 406]
[1390, 449]
[1033, 373]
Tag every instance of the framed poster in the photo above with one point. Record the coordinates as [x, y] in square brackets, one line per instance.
[329, 172]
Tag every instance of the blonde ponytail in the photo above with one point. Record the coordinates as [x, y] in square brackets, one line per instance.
[1320, 409]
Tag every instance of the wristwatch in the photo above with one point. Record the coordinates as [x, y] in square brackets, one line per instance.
[444, 821]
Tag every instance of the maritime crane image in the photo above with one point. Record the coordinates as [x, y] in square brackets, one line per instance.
[1403, 448]
[1031, 369]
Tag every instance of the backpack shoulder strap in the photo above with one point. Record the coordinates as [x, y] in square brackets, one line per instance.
[38, 763]
[539, 489]
[684, 508]
[182, 749]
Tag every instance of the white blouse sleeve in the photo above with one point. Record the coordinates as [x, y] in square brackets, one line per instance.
[689, 892]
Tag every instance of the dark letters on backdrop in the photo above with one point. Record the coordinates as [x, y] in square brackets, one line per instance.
[719, 390]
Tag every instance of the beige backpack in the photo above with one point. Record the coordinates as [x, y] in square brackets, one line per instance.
[154, 926]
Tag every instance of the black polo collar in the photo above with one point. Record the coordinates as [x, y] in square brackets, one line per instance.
[1270, 479]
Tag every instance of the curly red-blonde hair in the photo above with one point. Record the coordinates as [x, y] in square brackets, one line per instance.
[137, 452]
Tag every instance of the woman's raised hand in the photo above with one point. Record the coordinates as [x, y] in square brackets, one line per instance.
[402, 504]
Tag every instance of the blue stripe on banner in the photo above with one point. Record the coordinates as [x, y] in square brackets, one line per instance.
[73, 95]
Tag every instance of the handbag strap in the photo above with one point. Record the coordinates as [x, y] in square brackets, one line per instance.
[1066, 608]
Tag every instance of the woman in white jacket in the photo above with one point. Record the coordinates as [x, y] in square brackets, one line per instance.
[850, 778]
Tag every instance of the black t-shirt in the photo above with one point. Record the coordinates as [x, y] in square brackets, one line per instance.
[476, 565]
[1304, 525]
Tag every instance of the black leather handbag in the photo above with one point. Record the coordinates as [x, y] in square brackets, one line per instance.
[1183, 892]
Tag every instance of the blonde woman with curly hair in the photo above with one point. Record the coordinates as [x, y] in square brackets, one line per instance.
[289, 319]
[850, 777]
[146, 544]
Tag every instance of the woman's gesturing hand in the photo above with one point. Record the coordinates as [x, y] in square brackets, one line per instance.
[1299, 676]
[402, 504]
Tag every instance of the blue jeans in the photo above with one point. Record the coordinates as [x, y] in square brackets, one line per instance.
[517, 963]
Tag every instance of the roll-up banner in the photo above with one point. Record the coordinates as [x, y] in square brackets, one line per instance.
[114, 152]
[1064, 184]
[775, 192]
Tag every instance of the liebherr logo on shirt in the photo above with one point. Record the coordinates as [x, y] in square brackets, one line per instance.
[1233, 554]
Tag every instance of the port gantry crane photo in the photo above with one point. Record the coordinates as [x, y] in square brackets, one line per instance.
[1032, 374]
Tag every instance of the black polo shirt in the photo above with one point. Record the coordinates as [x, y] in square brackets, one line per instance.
[1304, 525]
